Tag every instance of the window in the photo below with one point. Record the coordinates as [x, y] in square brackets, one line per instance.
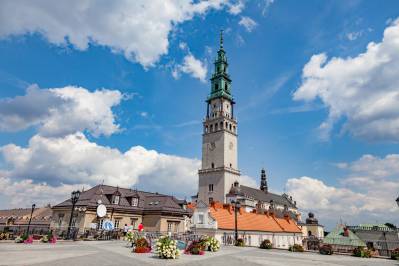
[221, 125]
[213, 165]
[210, 187]
[231, 165]
[230, 127]
[206, 129]
[211, 128]
[116, 199]
[200, 218]
[210, 200]
[135, 202]
[60, 218]
[216, 127]
[216, 87]
[100, 224]
[116, 223]
[170, 226]
[133, 222]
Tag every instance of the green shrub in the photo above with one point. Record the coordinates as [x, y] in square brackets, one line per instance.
[296, 248]
[326, 249]
[240, 242]
[395, 254]
[362, 252]
[266, 244]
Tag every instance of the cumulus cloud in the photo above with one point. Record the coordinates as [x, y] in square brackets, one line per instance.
[192, 66]
[61, 111]
[248, 23]
[137, 29]
[366, 194]
[362, 91]
[236, 8]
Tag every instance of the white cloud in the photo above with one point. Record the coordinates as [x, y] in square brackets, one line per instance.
[236, 8]
[137, 29]
[67, 161]
[266, 6]
[61, 111]
[248, 23]
[352, 36]
[366, 194]
[192, 66]
[362, 90]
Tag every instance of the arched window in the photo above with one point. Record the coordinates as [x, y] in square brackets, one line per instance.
[221, 125]
[216, 87]
[226, 125]
[211, 129]
[206, 129]
[225, 86]
[213, 165]
[216, 126]
[230, 127]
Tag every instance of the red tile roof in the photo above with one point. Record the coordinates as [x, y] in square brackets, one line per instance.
[224, 215]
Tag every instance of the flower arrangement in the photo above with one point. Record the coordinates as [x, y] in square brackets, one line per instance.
[296, 248]
[4, 236]
[240, 243]
[142, 246]
[196, 248]
[326, 249]
[362, 252]
[266, 244]
[44, 239]
[19, 239]
[395, 254]
[166, 248]
[213, 244]
[29, 240]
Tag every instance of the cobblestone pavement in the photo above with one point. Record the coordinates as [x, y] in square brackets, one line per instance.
[117, 253]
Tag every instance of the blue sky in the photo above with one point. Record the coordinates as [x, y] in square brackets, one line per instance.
[162, 93]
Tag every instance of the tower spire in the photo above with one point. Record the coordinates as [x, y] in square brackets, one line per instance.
[263, 180]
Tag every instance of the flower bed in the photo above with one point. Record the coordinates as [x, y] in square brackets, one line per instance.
[296, 248]
[266, 244]
[166, 248]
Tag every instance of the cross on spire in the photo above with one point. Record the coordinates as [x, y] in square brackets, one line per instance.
[221, 39]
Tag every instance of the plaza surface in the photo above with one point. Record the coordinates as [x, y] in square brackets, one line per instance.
[117, 253]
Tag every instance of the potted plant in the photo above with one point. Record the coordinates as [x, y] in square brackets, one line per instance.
[395, 254]
[266, 244]
[142, 246]
[240, 243]
[361, 252]
[195, 248]
[326, 249]
[166, 248]
[296, 248]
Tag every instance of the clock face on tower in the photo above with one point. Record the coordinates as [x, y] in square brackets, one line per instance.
[211, 146]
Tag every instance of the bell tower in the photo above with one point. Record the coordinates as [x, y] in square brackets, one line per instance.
[219, 139]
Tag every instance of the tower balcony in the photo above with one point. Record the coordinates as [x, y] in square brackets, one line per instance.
[219, 169]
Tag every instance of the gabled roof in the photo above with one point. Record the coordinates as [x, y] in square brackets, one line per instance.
[266, 196]
[147, 201]
[251, 221]
[336, 237]
[21, 216]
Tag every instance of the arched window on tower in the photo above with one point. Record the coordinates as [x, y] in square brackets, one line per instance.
[221, 125]
[216, 87]
[227, 125]
[213, 165]
[206, 129]
[230, 127]
[216, 127]
[211, 128]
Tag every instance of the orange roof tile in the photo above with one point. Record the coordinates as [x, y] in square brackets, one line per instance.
[251, 221]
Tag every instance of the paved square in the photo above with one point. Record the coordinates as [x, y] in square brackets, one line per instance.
[117, 253]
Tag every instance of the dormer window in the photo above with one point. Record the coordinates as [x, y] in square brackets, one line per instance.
[135, 202]
[115, 199]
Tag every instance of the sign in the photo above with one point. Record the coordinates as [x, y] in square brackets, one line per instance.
[101, 210]
[108, 225]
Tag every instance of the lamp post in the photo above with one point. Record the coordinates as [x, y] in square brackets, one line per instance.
[237, 206]
[30, 219]
[397, 201]
[74, 198]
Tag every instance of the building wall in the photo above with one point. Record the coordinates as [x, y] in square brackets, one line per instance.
[316, 230]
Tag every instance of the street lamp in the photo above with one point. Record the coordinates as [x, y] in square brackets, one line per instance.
[397, 201]
[236, 194]
[74, 198]
[30, 219]
[237, 206]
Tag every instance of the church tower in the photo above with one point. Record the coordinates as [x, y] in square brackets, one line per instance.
[219, 139]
